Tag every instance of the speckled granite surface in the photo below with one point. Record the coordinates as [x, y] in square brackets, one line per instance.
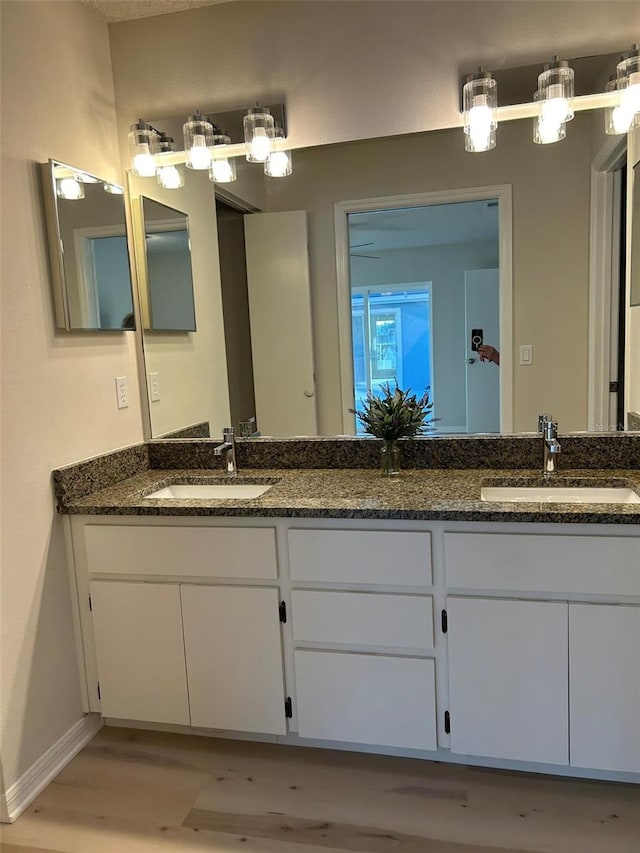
[446, 494]
[525, 451]
[83, 478]
[633, 420]
[200, 430]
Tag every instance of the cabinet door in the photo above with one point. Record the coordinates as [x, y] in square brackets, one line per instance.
[604, 658]
[234, 658]
[359, 698]
[140, 651]
[508, 691]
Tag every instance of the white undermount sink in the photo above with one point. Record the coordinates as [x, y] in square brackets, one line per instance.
[560, 494]
[206, 491]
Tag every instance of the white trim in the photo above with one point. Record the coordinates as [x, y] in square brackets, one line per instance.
[41, 772]
[341, 210]
[601, 252]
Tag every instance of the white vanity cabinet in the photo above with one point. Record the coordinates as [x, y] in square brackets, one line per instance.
[513, 645]
[555, 681]
[233, 652]
[363, 636]
[604, 686]
[508, 690]
[139, 651]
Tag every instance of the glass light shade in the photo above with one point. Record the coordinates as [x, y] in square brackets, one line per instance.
[628, 70]
[141, 146]
[170, 176]
[257, 123]
[223, 169]
[278, 163]
[555, 93]
[70, 188]
[618, 119]
[480, 104]
[546, 131]
[198, 139]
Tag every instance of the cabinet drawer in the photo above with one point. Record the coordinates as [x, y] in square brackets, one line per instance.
[604, 565]
[389, 701]
[363, 619]
[361, 556]
[226, 552]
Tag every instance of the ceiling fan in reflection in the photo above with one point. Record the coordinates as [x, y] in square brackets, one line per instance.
[359, 254]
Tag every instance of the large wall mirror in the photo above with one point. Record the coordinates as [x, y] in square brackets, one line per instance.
[526, 228]
[88, 250]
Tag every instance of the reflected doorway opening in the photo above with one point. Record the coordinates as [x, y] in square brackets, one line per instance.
[426, 284]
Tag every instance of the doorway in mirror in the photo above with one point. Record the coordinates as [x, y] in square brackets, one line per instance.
[425, 296]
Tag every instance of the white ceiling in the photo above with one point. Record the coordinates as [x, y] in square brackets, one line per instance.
[413, 227]
[127, 10]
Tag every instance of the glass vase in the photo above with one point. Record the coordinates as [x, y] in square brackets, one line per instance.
[390, 458]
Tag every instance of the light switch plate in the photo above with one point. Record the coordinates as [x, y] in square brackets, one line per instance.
[154, 387]
[122, 393]
[526, 354]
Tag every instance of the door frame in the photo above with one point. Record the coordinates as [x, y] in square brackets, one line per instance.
[604, 244]
[501, 192]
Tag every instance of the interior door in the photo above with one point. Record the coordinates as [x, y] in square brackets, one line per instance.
[482, 315]
[280, 315]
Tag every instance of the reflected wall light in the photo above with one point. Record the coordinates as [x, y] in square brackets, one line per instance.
[142, 139]
[258, 123]
[198, 139]
[70, 188]
[223, 169]
[480, 103]
[170, 175]
[624, 114]
[546, 130]
[278, 163]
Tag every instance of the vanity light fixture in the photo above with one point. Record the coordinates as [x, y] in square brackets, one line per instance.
[555, 96]
[198, 139]
[617, 118]
[170, 176]
[223, 169]
[142, 143]
[628, 83]
[278, 163]
[480, 103]
[257, 123]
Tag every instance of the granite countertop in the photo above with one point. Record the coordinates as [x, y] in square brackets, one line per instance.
[424, 494]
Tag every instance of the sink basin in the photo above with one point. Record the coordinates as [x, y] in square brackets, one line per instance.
[207, 491]
[560, 494]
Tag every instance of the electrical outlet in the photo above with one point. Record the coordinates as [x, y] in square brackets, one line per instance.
[154, 387]
[121, 392]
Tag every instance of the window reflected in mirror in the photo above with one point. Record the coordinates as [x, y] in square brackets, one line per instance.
[169, 304]
[88, 250]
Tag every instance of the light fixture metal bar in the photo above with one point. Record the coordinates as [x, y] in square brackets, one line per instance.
[581, 103]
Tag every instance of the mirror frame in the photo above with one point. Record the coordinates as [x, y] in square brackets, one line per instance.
[56, 253]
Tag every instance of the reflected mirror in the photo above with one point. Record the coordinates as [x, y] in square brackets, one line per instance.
[88, 250]
[544, 337]
[167, 290]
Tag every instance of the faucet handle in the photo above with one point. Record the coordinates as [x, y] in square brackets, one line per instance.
[543, 420]
[550, 430]
[227, 432]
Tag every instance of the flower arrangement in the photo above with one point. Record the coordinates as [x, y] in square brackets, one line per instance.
[395, 413]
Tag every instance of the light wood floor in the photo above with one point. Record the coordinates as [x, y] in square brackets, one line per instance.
[138, 792]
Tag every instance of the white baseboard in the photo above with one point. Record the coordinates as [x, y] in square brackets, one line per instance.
[38, 776]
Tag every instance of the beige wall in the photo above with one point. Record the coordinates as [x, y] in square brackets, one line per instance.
[347, 70]
[632, 357]
[550, 247]
[58, 390]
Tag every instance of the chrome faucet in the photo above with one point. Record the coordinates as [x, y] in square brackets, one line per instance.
[228, 449]
[549, 431]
